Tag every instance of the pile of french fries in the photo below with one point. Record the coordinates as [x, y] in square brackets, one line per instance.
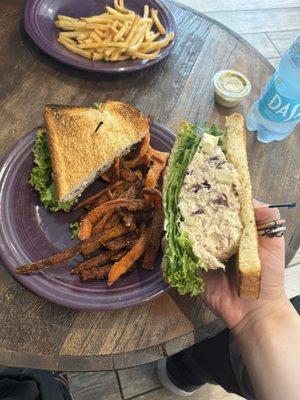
[119, 34]
[121, 225]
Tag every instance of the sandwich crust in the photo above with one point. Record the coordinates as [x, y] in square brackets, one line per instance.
[248, 262]
[84, 142]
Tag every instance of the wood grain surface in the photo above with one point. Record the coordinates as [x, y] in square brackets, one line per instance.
[36, 333]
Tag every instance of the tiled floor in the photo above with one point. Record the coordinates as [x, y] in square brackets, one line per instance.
[270, 26]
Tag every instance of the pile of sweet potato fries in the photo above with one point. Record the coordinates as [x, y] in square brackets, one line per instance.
[121, 225]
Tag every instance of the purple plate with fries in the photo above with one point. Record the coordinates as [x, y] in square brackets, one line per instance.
[40, 15]
[28, 232]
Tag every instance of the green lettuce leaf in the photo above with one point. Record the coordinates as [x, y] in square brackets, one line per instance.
[41, 175]
[74, 226]
[181, 268]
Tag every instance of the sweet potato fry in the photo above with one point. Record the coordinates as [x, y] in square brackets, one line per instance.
[156, 228]
[107, 196]
[109, 220]
[154, 173]
[85, 247]
[135, 162]
[95, 273]
[158, 155]
[127, 217]
[106, 176]
[118, 191]
[56, 259]
[123, 265]
[143, 216]
[100, 259]
[95, 243]
[119, 255]
[126, 241]
[115, 170]
[102, 196]
[128, 174]
[116, 186]
[95, 214]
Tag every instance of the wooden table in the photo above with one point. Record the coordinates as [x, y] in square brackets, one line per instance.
[36, 333]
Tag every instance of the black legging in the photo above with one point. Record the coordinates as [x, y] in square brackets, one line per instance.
[32, 384]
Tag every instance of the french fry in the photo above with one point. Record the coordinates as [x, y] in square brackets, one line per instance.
[122, 31]
[131, 32]
[123, 15]
[101, 35]
[143, 56]
[94, 26]
[121, 9]
[116, 54]
[146, 46]
[74, 49]
[146, 11]
[99, 19]
[154, 16]
[102, 44]
[83, 35]
[123, 58]
[96, 37]
[123, 265]
[151, 36]
[69, 34]
[66, 18]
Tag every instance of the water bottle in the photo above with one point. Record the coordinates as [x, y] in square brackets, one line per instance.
[276, 113]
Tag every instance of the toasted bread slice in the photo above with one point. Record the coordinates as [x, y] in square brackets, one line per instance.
[248, 262]
[84, 142]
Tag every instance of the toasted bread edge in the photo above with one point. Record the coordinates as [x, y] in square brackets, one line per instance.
[248, 262]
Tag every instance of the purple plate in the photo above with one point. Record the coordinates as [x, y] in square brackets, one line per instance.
[28, 232]
[39, 17]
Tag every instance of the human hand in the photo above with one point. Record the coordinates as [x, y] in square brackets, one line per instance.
[221, 293]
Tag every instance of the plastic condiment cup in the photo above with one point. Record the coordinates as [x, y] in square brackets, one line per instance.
[230, 87]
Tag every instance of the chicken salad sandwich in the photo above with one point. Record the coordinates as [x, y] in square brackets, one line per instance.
[209, 213]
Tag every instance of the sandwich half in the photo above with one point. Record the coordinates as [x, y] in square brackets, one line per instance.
[78, 144]
[208, 204]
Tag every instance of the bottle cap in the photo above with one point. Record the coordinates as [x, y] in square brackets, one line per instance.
[230, 87]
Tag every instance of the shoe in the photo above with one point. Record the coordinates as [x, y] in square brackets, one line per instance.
[167, 382]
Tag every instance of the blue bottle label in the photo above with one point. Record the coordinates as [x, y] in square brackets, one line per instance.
[275, 107]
